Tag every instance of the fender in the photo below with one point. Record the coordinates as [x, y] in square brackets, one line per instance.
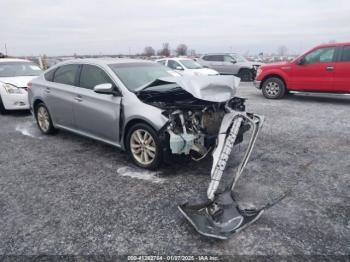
[281, 71]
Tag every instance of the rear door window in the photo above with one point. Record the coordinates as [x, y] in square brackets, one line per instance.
[66, 74]
[92, 76]
[346, 54]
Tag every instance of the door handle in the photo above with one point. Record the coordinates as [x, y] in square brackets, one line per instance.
[78, 98]
[330, 68]
[47, 90]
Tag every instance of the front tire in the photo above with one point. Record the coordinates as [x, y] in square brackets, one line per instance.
[245, 75]
[144, 146]
[44, 120]
[3, 111]
[273, 88]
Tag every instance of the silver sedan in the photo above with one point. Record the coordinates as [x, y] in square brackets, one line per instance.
[136, 105]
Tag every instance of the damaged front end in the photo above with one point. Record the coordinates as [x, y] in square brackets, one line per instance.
[205, 116]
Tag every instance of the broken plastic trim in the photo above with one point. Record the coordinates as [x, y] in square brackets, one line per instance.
[221, 216]
[226, 141]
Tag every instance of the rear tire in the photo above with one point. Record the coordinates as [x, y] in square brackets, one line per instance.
[3, 111]
[273, 88]
[246, 75]
[144, 146]
[43, 119]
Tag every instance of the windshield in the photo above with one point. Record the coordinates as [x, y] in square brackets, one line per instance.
[134, 75]
[190, 64]
[239, 58]
[12, 69]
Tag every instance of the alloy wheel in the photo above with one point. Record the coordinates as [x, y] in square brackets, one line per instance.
[272, 89]
[143, 146]
[43, 119]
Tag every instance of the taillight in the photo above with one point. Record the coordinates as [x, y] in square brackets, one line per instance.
[29, 85]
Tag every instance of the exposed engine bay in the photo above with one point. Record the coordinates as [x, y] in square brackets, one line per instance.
[205, 116]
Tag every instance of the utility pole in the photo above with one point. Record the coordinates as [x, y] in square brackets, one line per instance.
[5, 49]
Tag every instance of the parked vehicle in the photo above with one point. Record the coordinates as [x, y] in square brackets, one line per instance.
[135, 105]
[186, 66]
[231, 64]
[14, 76]
[325, 68]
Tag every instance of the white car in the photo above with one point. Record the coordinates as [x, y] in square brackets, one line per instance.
[186, 66]
[14, 76]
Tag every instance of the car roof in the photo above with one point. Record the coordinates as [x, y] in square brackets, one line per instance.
[332, 44]
[104, 61]
[3, 60]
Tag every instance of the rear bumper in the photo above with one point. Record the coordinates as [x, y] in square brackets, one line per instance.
[257, 84]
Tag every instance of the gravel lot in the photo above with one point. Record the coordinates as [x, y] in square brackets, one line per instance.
[65, 194]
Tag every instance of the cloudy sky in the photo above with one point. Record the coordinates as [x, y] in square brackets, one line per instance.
[64, 27]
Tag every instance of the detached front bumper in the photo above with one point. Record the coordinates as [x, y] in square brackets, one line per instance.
[257, 84]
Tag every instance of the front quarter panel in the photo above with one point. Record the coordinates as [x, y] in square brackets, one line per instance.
[282, 72]
[136, 110]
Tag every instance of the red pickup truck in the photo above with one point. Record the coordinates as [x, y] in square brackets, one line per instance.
[325, 68]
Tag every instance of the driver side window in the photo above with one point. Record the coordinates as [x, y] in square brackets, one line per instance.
[228, 58]
[320, 55]
[173, 64]
[92, 76]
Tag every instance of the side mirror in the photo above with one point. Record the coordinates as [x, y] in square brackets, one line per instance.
[233, 61]
[301, 61]
[106, 89]
[179, 68]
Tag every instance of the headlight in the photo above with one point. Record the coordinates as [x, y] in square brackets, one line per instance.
[258, 72]
[11, 89]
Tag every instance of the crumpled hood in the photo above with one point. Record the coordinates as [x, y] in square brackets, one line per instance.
[219, 88]
[19, 81]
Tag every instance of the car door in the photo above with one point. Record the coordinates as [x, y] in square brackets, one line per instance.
[59, 94]
[215, 62]
[315, 71]
[342, 71]
[96, 114]
[229, 65]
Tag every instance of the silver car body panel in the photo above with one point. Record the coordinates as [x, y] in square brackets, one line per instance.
[210, 88]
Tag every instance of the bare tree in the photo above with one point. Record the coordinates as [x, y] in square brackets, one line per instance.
[149, 51]
[282, 50]
[181, 49]
[165, 51]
